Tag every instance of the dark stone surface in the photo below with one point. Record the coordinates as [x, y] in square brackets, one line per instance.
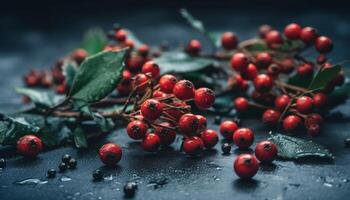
[169, 174]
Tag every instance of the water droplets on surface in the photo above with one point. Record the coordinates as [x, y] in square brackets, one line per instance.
[108, 178]
[65, 179]
[31, 181]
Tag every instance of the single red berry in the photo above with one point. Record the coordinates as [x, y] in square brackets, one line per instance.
[32, 80]
[239, 61]
[263, 83]
[263, 60]
[188, 124]
[46, 79]
[151, 109]
[204, 98]
[273, 70]
[210, 138]
[79, 55]
[246, 166]
[151, 142]
[29, 145]
[184, 90]
[324, 44]
[304, 104]
[120, 35]
[143, 50]
[129, 43]
[134, 63]
[229, 40]
[126, 75]
[140, 82]
[264, 29]
[194, 47]
[159, 94]
[193, 146]
[305, 70]
[292, 31]
[243, 137]
[166, 135]
[281, 102]
[61, 88]
[321, 59]
[227, 128]
[167, 83]
[273, 37]
[313, 118]
[287, 65]
[320, 99]
[110, 154]
[151, 67]
[308, 34]
[313, 129]
[137, 129]
[241, 104]
[266, 151]
[291, 123]
[271, 117]
[250, 72]
[202, 123]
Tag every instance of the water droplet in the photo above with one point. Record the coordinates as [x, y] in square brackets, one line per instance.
[108, 178]
[65, 178]
[327, 184]
[31, 181]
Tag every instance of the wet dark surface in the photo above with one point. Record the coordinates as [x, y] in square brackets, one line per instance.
[169, 174]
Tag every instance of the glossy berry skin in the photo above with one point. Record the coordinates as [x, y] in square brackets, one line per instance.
[79, 55]
[204, 98]
[136, 129]
[129, 189]
[202, 123]
[227, 128]
[308, 34]
[241, 104]
[263, 83]
[66, 158]
[305, 70]
[229, 40]
[250, 72]
[304, 104]
[210, 138]
[61, 88]
[151, 67]
[263, 60]
[266, 151]
[177, 113]
[226, 148]
[167, 83]
[324, 44]
[166, 136]
[243, 137]
[320, 100]
[194, 47]
[51, 173]
[314, 130]
[246, 166]
[193, 146]
[184, 90]
[270, 117]
[110, 154]
[292, 31]
[29, 145]
[62, 167]
[143, 50]
[140, 82]
[313, 118]
[151, 142]
[120, 35]
[129, 43]
[291, 123]
[188, 124]
[281, 102]
[239, 61]
[273, 37]
[151, 109]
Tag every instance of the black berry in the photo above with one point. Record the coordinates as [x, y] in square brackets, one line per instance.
[347, 142]
[226, 148]
[97, 175]
[72, 164]
[2, 163]
[66, 158]
[62, 167]
[129, 189]
[51, 173]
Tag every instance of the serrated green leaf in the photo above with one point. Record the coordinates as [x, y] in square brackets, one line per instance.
[69, 69]
[195, 23]
[94, 41]
[98, 76]
[323, 77]
[295, 148]
[40, 98]
[80, 140]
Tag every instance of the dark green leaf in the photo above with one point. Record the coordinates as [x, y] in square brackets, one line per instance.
[323, 77]
[216, 38]
[291, 45]
[338, 96]
[300, 81]
[98, 76]
[94, 41]
[69, 68]
[195, 23]
[257, 47]
[180, 62]
[80, 140]
[134, 38]
[295, 148]
[54, 131]
[40, 98]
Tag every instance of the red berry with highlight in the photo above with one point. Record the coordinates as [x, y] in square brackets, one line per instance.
[151, 109]
[271, 117]
[246, 166]
[202, 123]
[120, 35]
[243, 137]
[305, 70]
[239, 61]
[241, 104]
[281, 102]
[140, 82]
[143, 50]
[263, 60]
[320, 100]
[273, 37]
[263, 83]
[188, 124]
[151, 142]
[167, 83]
[79, 55]
[266, 151]
[152, 68]
[314, 130]
[193, 146]
[324, 44]
[166, 135]
[137, 129]
[210, 138]
[129, 43]
[313, 118]
[304, 104]
[204, 98]
[291, 123]
[194, 47]
[227, 128]
[184, 90]
[292, 31]
[110, 154]
[308, 34]
[250, 72]
[29, 145]
[229, 40]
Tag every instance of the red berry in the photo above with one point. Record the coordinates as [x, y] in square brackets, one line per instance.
[29, 145]
[61, 88]
[243, 137]
[151, 67]
[291, 123]
[204, 98]
[202, 123]
[314, 130]
[281, 102]
[177, 113]
[263, 60]
[273, 37]
[193, 146]
[271, 117]
[140, 82]
[79, 55]
[134, 63]
[184, 90]
[166, 135]
[305, 70]
[143, 50]
[320, 99]
[210, 138]
[321, 59]
[263, 83]
[32, 80]
[250, 72]
[229, 40]
[246, 166]
[287, 65]
[188, 124]
[308, 34]
[241, 104]
[273, 70]
[151, 142]
[227, 128]
[324, 44]
[110, 154]
[264, 29]
[167, 83]
[194, 47]
[129, 43]
[313, 118]
[126, 75]
[159, 94]
[120, 35]
[151, 109]
[137, 129]
[266, 151]
[304, 104]
[292, 31]
[239, 61]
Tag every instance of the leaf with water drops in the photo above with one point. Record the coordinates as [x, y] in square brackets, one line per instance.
[40, 98]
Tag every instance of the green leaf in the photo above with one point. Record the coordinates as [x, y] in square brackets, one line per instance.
[300, 81]
[290, 45]
[195, 23]
[69, 68]
[134, 38]
[338, 96]
[257, 47]
[323, 77]
[94, 41]
[42, 99]
[80, 140]
[215, 38]
[180, 62]
[98, 76]
[295, 148]
[54, 131]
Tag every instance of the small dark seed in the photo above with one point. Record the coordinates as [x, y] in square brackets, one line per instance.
[72, 164]
[62, 167]
[347, 142]
[217, 120]
[51, 173]
[97, 175]
[226, 148]
[2, 163]
[129, 189]
[66, 158]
